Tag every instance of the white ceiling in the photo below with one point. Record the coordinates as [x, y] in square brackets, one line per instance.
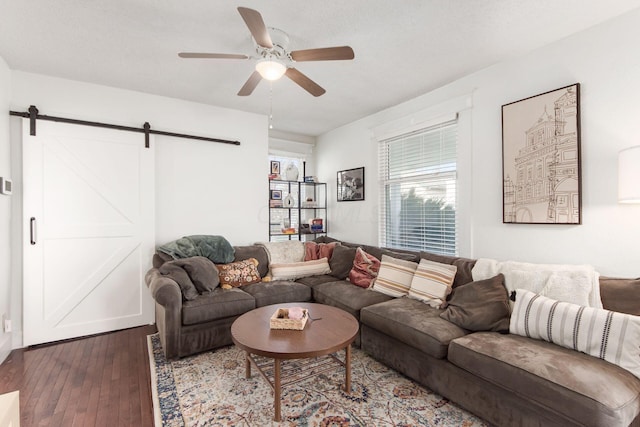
[402, 48]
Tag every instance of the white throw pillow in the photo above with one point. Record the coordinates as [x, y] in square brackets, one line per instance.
[432, 282]
[395, 276]
[296, 270]
[607, 335]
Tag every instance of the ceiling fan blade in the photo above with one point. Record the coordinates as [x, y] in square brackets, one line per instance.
[212, 55]
[259, 31]
[250, 84]
[323, 54]
[305, 82]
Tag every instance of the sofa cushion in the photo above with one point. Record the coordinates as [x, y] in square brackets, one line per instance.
[365, 269]
[621, 295]
[341, 261]
[180, 276]
[399, 254]
[202, 272]
[395, 276]
[432, 282]
[347, 297]
[464, 265]
[480, 306]
[314, 250]
[239, 273]
[589, 390]
[313, 281]
[295, 270]
[327, 239]
[160, 258]
[413, 323]
[284, 252]
[253, 251]
[605, 334]
[219, 304]
[278, 291]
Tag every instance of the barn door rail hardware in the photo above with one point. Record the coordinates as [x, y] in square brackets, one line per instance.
[33, 114]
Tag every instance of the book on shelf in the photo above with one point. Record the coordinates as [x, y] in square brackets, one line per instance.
[316, 225]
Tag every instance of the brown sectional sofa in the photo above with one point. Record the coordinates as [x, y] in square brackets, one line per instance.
[508, 380]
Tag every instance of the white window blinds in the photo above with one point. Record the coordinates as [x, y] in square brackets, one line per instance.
[418, 190]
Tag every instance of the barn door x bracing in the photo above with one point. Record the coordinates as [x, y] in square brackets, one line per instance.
[88, 231]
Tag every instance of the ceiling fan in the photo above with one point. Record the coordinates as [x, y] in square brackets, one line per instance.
[274, 58]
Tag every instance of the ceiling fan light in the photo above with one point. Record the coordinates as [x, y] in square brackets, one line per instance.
[270, 69]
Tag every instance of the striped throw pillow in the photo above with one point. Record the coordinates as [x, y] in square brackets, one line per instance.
[296, 270]
[608, 335]
[432, 282]
[395, 276]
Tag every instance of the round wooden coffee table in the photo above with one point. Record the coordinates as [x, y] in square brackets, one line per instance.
[327, 331]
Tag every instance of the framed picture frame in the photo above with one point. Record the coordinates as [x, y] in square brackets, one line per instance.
[351, 185]
[275, 194]
[275, 167]
[541, 172]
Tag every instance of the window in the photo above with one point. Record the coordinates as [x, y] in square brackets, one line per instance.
[418, 190]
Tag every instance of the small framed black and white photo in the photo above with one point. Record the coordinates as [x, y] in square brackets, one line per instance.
[275, 167]
[351, 185]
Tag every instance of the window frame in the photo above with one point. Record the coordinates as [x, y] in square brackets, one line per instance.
[441, 174]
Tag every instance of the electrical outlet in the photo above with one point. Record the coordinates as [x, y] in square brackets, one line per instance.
[6, 323]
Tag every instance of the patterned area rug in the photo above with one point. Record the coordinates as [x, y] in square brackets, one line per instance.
[210, 389]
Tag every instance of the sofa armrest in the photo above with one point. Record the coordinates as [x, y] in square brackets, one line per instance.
[166, 293]
[164, 290]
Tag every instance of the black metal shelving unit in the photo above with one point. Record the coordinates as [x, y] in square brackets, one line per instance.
[309, 201]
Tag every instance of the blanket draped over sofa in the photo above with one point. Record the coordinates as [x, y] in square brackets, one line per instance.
[216, 248]
[571, 283]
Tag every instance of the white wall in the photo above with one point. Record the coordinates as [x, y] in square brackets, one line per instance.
[201, 187]
[603, 60]
[5, 209]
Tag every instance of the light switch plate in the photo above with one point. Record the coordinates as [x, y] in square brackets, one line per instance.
[6, 186]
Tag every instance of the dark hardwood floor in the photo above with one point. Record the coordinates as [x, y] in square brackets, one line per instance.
[102, 380]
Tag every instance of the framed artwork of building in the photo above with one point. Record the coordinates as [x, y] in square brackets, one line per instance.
[541, 159]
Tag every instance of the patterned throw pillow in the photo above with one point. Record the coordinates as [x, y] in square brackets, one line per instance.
[296, 270]
[365, 269]
[239, 273]
[607, 335]
[432, 282]
[395, 276]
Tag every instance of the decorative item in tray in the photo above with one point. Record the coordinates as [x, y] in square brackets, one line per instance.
[289, 318]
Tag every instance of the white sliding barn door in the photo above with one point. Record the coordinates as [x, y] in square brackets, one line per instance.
[88, 230]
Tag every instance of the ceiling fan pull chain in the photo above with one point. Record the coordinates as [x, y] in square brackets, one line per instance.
[270, 105]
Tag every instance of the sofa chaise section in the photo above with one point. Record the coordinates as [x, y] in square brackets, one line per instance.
[585, 389]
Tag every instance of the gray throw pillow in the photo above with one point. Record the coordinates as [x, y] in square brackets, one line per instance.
[160, 258]
[341, 261]
[480, 306]
[202, 272]
[180, 276]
